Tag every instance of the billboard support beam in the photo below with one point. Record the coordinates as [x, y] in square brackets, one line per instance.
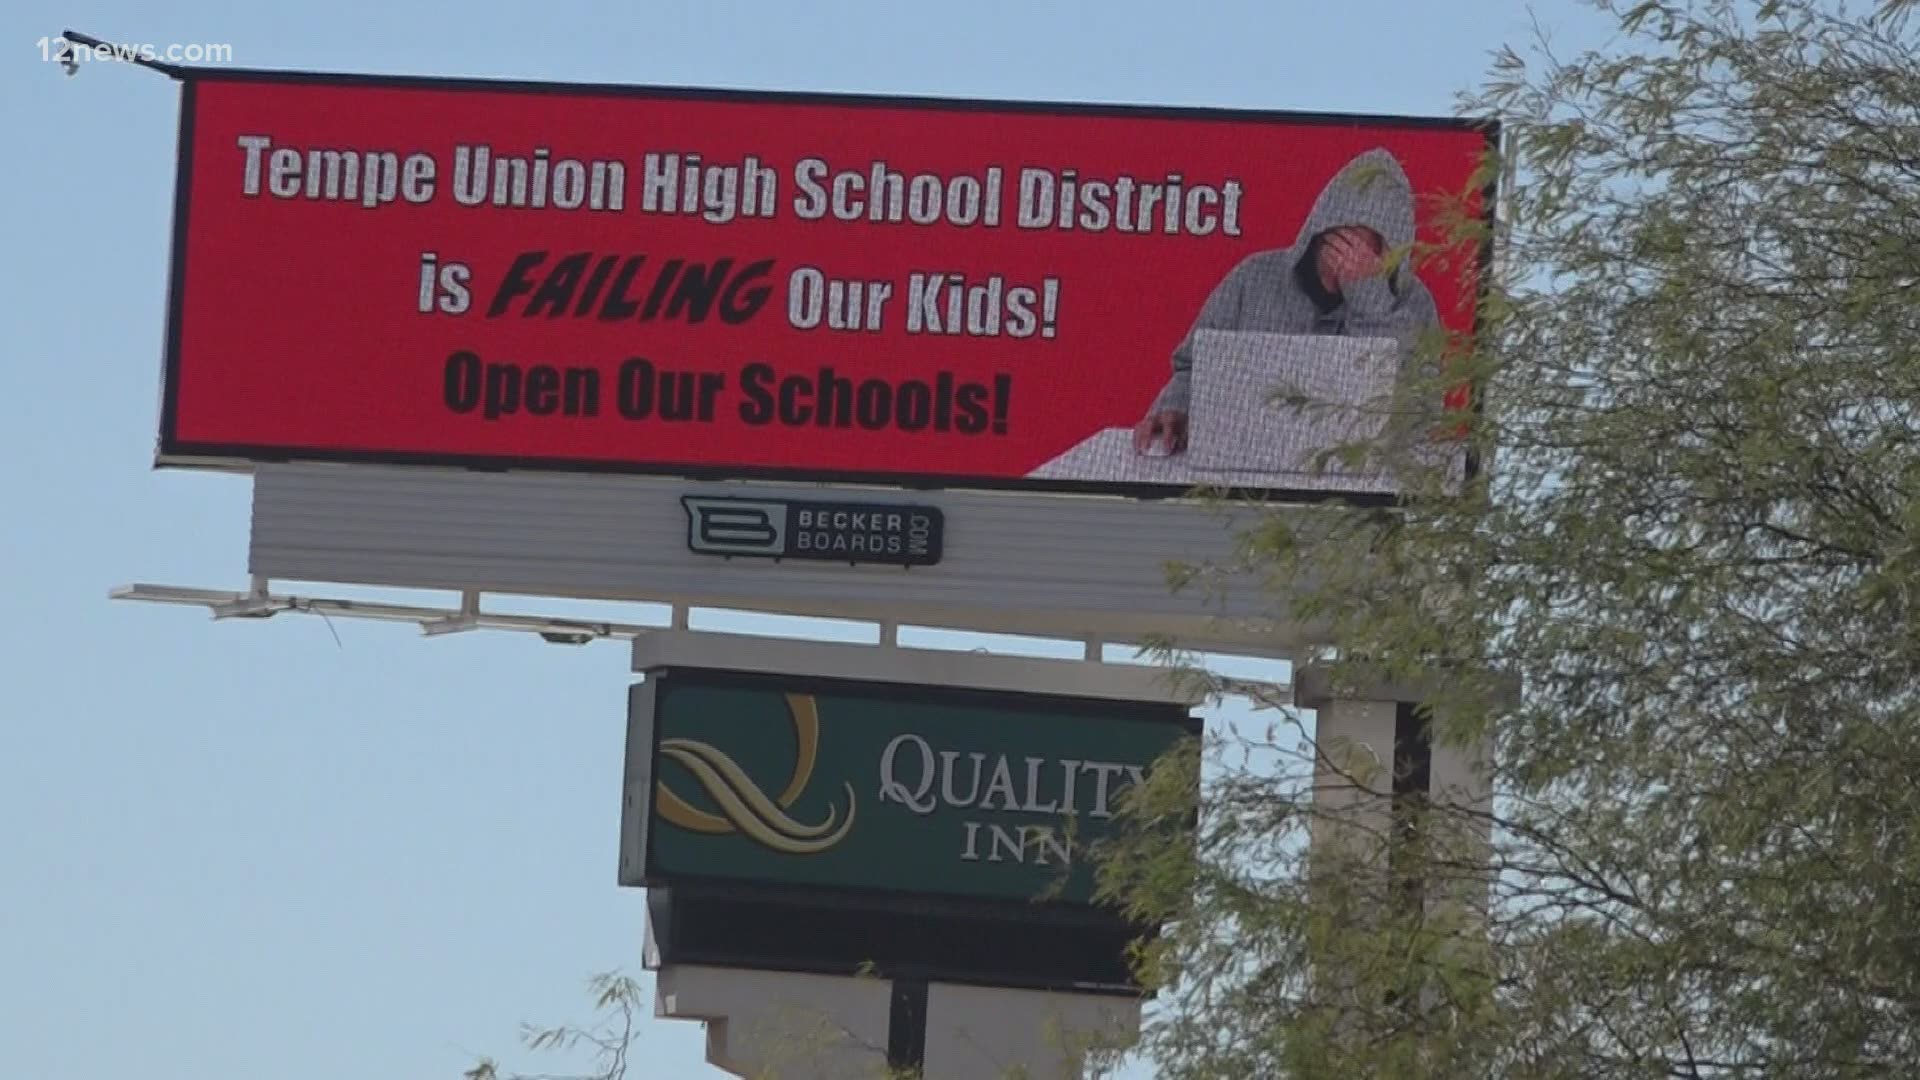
[677, 643]
[124, 52]
[252, 604]
[939, 667]
[258, 603]
[1056, 568]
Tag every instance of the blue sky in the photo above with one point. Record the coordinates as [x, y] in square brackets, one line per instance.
[233, 849]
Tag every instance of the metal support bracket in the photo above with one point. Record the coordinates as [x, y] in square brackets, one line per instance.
[259, 601]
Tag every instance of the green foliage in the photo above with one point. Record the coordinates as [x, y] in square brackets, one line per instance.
[1696, 540]
[608, 1043]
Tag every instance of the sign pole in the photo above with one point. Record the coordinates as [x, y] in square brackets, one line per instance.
[907, 1025]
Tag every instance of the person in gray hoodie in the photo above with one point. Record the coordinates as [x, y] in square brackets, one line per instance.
[1331, 281]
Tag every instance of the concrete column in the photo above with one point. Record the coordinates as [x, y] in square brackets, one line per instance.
[1376, 762]
[1350, 830]
[1375, 747]
[1353, 776]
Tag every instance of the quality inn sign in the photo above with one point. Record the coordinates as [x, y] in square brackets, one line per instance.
[868, 786]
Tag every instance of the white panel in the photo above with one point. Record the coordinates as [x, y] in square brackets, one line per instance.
[1045, 564]
[779, 1024]
[636, 788]
[986, 1031]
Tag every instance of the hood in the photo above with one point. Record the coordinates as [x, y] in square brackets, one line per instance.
[1370, 190]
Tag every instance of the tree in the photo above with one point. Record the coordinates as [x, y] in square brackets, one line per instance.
[1697, 543]
[608, 1043]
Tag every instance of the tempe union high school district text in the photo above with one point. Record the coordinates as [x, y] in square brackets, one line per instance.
[681, 183]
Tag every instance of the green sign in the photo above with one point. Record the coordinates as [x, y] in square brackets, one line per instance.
[870, 786]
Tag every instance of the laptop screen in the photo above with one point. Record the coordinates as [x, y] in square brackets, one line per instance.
[1269, 403]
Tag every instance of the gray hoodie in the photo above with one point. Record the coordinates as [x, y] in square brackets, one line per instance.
[1265, 291]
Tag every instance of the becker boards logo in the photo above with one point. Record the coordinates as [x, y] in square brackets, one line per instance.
[821, 531]
[743, 806]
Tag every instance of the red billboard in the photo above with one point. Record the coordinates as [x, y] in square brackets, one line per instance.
[725, 284]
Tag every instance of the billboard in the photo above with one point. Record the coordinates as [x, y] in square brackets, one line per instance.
[811, 287]
[876, 787]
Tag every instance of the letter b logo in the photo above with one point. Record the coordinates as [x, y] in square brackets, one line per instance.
[735, 526]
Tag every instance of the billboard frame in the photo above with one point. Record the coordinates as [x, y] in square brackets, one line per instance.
[173, 452]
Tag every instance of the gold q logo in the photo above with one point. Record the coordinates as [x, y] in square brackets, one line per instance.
[743, 806]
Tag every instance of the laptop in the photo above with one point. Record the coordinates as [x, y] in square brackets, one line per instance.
[1238, 420]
